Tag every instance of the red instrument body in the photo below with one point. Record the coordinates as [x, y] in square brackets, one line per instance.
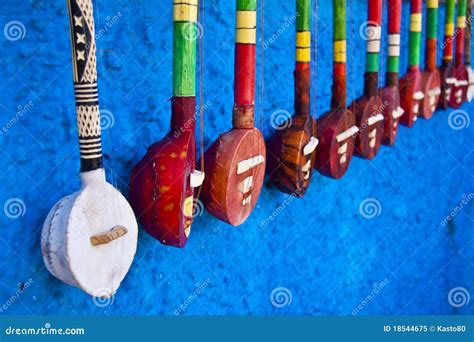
[160, 187]
[411, 96]
[333, 157]
[390, 97]
[369, 137]
[431, 84]
[460, 88]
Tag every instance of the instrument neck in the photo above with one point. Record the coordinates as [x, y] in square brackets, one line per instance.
[393, 55]
[448, 32]
[244, 68]
[460, 28]
[467, 40]
[303, 57]
[415, 34]
[81, 20]
[185, 36]
[339, 97]
[431, 38]
[373, 34]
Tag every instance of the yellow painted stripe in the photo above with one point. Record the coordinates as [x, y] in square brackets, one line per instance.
[246, 19]
[449, 29]
[303, 54]
[185, 11]
[415, 22]
[303, 39]
[461, 22]
[340, 51]
[245, 36]
[432, 3]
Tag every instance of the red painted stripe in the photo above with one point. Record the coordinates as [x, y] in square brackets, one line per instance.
[394, 15]
[244, 74]
[302, 66]
[430, 53]
[375, 11]
[415, 6]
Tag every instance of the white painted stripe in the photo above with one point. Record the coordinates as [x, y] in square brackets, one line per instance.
[398, 113]
[394, 39]
[94, 156]
[394, 51]
[374, 119]
[248, 164]
[90, 85]
[435, 91]
[418, 95]
[347, 134]
[373, 46]
[311, 146]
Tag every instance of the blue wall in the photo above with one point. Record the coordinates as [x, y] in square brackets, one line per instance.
[321, 249]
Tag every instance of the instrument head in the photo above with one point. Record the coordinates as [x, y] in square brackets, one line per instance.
[431, 84]
[162, 188]
[369, 120]
[392, 111]
[235, 165]
[291, 154]
[411, 97]
[89, 238]
[460, 88]
[336, 133]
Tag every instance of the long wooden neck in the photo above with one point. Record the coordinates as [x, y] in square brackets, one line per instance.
[244, 68]
[81, 20]
[185, 36]
[373, 34]
[431, 39]
[460, 27]
[415, 34]
[448, 32]
[467, 40]
[303, 57]
[393, 55]
[338, 100]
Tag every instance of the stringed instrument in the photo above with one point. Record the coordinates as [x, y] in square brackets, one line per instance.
[291, 149]
[89, 238]
[460, 73]
[336, 129]
[163, 183]
[390, 94]
[235, 162]
[368, 108]
[430, 78]
[446, 69]
[467, 51]
[411, 91]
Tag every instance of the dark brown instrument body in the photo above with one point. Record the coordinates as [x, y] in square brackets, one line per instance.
[460, 88]
[447, 81]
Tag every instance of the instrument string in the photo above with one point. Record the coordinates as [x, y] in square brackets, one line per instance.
[201, 91]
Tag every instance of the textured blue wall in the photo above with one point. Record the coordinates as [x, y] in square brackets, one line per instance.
[321, 249]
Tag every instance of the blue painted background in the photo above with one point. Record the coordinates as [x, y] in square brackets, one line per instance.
[321, 249]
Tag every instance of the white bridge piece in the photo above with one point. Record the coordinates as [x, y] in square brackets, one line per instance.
[250, 163]
[311, 146]
[347, 134]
